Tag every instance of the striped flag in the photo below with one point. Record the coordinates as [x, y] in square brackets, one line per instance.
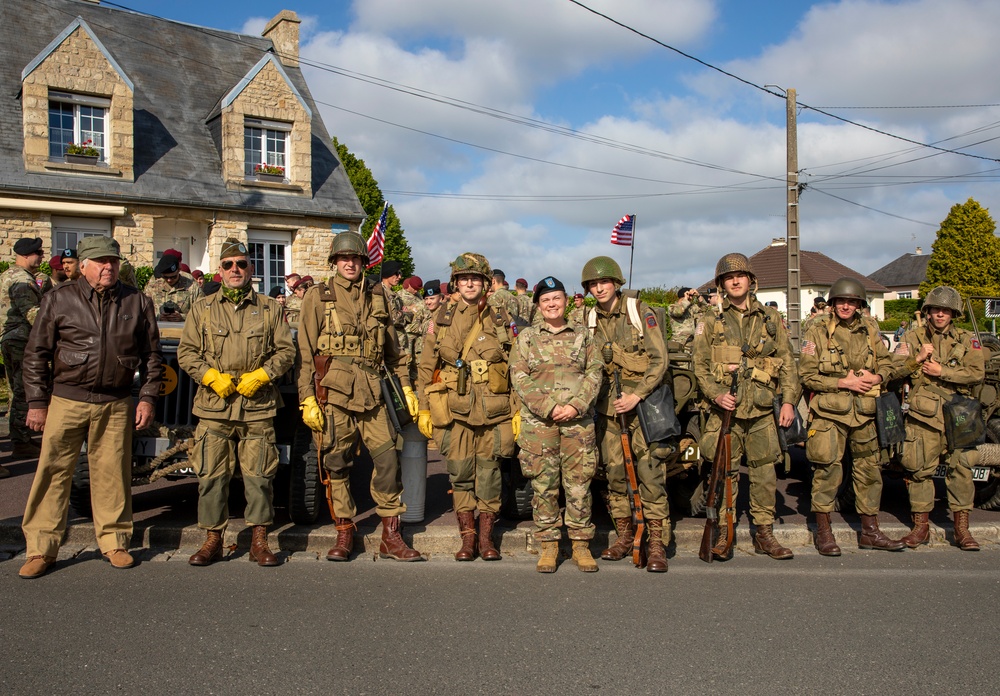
[376, 243]
[622, 233]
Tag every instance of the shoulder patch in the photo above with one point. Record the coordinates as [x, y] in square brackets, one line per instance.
[651, 320]
[808, 348]
[976, 345]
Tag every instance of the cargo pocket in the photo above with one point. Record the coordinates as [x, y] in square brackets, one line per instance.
[821, 443]
[460, 405]
[437, 401]
[925, 405]
[340, 378]
[496, 406]
[865, 405]
[531, 454]
[763, 397]
[834, 402]
[125, 370]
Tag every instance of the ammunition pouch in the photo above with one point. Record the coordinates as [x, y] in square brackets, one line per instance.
[499, 378]
[729, 355]
[479, 370]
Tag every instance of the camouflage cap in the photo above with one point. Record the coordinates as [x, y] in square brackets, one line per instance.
[98, 247]
[233, 247]
[472, 264]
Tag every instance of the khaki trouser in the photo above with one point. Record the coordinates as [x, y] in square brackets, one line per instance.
[473, 454]
[342, 430]
[107, 428]
[758, 438]
[217, 447]
[922, 452]
[650, 469]
[825, 450]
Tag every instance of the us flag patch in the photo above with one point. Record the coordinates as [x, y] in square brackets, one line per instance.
[976, 344]
[430, 327]
[903, 348]
[808, 348]
[651, 321]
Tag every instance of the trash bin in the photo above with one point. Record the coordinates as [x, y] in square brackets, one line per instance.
[413, 463]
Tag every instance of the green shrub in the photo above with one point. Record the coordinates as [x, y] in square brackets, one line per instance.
[142, 276]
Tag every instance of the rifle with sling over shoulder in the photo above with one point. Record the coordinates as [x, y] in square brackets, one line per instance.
[720, 476]
[631, 480]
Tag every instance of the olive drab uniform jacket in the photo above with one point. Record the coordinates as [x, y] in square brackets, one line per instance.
[757, 343]
[830, 350]
[639, 352]
[482, 344]
[962, 368]
[236, 339]
[350, 323]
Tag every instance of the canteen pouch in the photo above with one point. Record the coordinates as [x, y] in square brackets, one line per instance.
[963, 422]
[795, 433]
[657, 417]
[437, 400]
[889, 420]
[499, 378]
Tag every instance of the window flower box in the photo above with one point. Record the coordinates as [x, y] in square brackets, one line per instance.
[82, 159]
[269, 172]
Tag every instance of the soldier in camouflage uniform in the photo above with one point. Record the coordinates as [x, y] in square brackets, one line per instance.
[502, 298]
[466, 403]
[557, 372]
[685, 314]
[639, 354]
[523, 298]
[172, 294]
[576, 314]
[747, 338]
[20, 299]
[942, 360]
[844, 362]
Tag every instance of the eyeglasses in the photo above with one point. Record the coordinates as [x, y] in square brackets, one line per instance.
[242, 264]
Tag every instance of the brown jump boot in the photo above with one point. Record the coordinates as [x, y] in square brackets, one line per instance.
[581, 556]
[963, 538]
[549, 557]
[467, 528]
[764, 542]
[623, 544]
[392, 545]
[873, 538]
[656, 555]
[921, 532]
[210, 551]
[260, 552]
[824, 541]
[342, 548]
[487, 551]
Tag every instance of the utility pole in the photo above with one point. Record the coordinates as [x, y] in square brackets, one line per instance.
[794, 304]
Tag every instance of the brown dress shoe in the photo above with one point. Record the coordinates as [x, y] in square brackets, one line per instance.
[260, 552]
[623, 544]
[467, 528]
[873, 538]
[487, 551]
[25, 450]
[921, 532]
[392, 544]
[824, 541]
[36, 567]
[765, 543]
[120, 558]
[656, 555]
[963, 537]
[342, 548]
[210, 551]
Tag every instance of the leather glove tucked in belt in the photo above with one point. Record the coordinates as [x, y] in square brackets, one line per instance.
[424, 424]
[312, 414]
[412, 404]
[250, 382]
[219, 382]
[515, 424]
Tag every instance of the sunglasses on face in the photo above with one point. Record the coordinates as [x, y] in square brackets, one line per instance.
[242, 264]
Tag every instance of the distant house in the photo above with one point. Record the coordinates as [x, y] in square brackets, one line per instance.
[817, 273]
[198, 135]
[903, 276]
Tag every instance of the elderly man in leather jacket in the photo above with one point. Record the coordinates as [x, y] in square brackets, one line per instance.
[88, 340]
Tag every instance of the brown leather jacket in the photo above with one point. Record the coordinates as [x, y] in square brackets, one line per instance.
[87, 347]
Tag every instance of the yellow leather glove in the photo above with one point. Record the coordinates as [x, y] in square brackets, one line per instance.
[424, 424]
[312, 414]
[219, 382]
[515, 425]
[412, 404]
[250, 382]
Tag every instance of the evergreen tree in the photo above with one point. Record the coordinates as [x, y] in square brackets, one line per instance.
[966, 253]
[370, 195]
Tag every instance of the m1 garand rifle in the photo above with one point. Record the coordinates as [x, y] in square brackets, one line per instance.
[631, 479]
[719, 478]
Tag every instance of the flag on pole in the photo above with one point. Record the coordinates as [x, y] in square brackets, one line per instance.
[622, 233]
[376, 243]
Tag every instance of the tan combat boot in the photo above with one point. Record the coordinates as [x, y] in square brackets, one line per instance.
[548, 558]
[921, 532]
[623, 544]
[581, 556]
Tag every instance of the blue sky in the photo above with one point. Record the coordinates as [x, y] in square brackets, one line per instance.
[698, 156]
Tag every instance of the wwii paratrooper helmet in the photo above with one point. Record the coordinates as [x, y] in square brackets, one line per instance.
[601, 267]
[848, 289]
[944, 296]
[472, 264]
[731, 263]
[348, 244]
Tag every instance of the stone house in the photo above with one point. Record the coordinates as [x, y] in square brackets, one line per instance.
[182, 119]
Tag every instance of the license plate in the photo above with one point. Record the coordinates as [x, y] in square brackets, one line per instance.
[980, 474]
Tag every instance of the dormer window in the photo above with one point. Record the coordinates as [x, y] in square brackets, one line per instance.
[76, 119]
[265, 145]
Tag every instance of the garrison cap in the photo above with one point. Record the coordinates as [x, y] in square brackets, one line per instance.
[26, 246]
[547, 285]
[233, 247]
[96, 247]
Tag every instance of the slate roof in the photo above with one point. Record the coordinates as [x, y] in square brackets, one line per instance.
[181, 73]
[907, 271]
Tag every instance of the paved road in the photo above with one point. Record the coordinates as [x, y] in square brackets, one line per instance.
[867, 623]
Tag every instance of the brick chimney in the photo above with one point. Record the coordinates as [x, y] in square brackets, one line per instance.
[283, 30]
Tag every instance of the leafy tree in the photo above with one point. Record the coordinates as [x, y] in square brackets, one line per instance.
[966, 253]
[370, 195]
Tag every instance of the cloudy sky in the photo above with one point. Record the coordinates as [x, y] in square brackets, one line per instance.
[524, 129]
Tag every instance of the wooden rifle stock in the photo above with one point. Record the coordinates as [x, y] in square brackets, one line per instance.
[718, 479]
[632, 483]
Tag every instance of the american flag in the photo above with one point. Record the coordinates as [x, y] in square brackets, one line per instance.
[376, 243]
[622, 233]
